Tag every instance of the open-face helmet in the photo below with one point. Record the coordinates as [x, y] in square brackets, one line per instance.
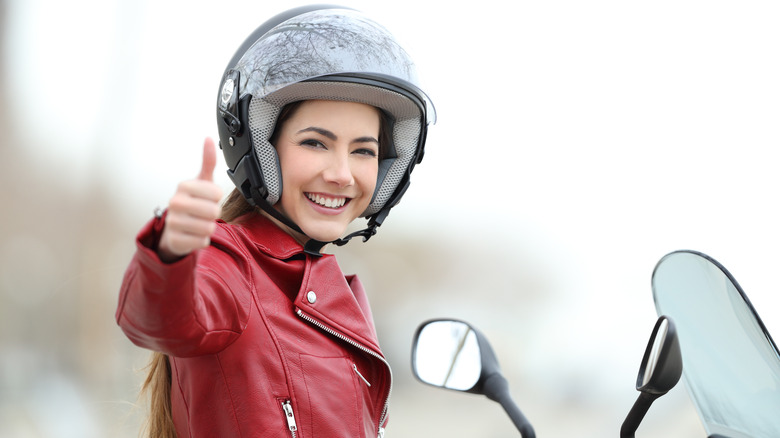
[328, 53]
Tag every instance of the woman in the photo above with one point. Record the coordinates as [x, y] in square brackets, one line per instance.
[256, 332]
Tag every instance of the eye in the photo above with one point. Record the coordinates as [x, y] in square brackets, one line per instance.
[365, 151]
[312, 143]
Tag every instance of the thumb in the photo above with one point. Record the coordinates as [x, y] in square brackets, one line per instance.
[209, 160]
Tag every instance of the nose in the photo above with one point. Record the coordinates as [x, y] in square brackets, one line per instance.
[339, 171]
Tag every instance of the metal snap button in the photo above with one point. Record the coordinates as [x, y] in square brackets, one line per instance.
[311, 297]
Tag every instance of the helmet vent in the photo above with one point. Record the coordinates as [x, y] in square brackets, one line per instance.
[405, 136]
[262, 117]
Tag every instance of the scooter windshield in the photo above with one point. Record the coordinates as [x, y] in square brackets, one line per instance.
[731, 365]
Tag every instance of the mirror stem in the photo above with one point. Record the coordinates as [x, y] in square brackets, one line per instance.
[497, 389]
[637, 413]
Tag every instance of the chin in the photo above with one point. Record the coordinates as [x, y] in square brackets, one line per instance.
[325, 235]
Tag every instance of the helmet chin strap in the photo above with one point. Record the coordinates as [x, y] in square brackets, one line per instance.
[314, 247]
[374, 222]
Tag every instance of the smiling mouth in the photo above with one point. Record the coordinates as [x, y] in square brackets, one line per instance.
[327, 201]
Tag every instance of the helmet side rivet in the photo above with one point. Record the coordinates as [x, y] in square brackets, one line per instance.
[231, 141]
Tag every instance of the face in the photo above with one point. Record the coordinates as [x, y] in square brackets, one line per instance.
[329, 157]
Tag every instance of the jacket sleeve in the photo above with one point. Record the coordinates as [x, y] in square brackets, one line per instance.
[197, 305]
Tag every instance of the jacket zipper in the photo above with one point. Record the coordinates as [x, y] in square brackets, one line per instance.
[288, 414]
[380, 429]
[354, 367]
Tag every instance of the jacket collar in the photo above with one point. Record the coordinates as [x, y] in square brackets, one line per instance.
[342, 305]
[268, 236]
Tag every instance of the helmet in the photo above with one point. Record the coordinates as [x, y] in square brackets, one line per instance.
[319, 52]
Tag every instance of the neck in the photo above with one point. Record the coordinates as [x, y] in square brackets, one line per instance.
[298, 236]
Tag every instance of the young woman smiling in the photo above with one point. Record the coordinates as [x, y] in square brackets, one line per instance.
[329, 156]
[254, 331]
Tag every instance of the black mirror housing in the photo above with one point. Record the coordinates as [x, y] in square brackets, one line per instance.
[662, 365]
[472, 351]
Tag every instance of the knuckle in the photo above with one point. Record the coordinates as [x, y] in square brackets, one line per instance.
[216, 193]
[177, 203]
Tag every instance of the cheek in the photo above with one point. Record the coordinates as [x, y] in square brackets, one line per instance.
[367, 174]
[294, 168]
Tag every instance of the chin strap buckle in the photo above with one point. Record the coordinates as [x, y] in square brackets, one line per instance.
[366, 233]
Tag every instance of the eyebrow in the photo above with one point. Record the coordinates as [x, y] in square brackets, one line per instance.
[332, 136]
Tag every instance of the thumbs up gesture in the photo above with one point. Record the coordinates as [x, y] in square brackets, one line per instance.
[192, 211]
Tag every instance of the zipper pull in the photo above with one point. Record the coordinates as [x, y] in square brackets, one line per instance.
[354, 367]
[288, 413]
[381, 432]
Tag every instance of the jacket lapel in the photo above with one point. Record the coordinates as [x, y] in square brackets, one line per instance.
[326, 296]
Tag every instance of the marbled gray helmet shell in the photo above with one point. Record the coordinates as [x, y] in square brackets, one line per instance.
[334, 54]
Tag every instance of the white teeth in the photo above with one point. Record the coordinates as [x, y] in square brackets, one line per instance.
[327, 202]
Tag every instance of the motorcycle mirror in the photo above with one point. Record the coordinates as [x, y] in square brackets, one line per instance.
[452, 354]
[659, 372]
[662, 363]
[447, 354]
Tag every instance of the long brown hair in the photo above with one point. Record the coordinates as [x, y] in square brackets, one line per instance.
[157, 386]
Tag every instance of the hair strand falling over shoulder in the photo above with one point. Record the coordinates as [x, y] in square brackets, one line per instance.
[157, 387]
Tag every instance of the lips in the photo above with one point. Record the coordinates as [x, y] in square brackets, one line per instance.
[327, 201]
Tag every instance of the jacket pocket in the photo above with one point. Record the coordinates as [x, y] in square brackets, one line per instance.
[333, 396]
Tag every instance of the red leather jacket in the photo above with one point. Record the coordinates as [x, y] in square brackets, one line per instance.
[263, 339]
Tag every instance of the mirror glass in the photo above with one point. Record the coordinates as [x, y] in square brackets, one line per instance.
[731, 364]
[655, 351]
[446, 354]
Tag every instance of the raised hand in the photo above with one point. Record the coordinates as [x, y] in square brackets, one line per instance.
[192, 211]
